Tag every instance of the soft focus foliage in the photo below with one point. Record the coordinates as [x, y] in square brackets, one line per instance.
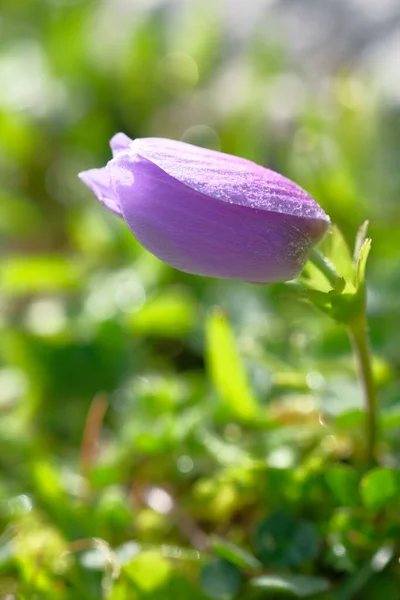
[164, 435]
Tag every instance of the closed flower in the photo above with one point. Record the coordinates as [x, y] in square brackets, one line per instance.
[209, 213]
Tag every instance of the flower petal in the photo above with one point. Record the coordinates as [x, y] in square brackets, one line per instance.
[200, 234]
[98, 181]
[120, 142]
[228, 178]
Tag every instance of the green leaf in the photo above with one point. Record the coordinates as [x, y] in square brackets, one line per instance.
[390, 417]
[149, 571]
[170, 315]
[353, 418]
[179, 588]
[227, 371]
[224, 453]
[314, 279]
[236, 555]
[362, 263]
[48, 481]
[380, 487]
[361, 252]
[220, 579]
[342, 480]
[344, 301]
[383, 585]
[300, 586]
[18, 216]
[364, 573]
[321, 300]
[361, 236]
[21, 275]
[283, 541]
[336, 249]
[334, 253]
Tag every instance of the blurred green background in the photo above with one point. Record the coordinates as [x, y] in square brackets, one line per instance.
[169, 436]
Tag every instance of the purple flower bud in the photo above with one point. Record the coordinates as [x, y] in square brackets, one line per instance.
[209, 213]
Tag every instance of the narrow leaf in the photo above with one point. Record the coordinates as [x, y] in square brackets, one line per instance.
[300, 586]
[362, 263]
[360, 239]
[236, 555]
[227, 371]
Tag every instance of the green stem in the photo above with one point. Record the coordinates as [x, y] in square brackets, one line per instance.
[358, 332]
[324, 265]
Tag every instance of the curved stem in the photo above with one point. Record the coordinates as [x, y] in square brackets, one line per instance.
[324, 265]
[358, 332]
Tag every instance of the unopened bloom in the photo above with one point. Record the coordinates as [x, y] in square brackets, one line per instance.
[209, 213]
